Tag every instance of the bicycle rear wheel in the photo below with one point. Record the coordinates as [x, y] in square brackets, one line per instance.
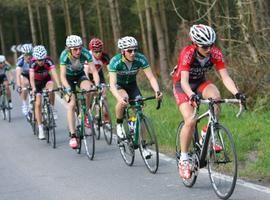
[97, 118]
[222, 164]
[9, 114]
[89, 137]
[106, 124]
[194, 160]
[126, 145]
[148, 145]
[51, 128]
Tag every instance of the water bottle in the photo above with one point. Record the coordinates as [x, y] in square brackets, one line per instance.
[131, 124]
[203, 133]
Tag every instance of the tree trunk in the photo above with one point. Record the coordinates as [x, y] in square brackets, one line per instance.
[101, 32]
[82, 21]
[143, 33]
[2, 39]
[39, 23]
[115, 27]
[229, 34]
[16, 29]
[162, 10]
[118, 15]
[251, 49]
[67, 17]
[32, 23]
[149, 33]
[51, 30]
[164, 72]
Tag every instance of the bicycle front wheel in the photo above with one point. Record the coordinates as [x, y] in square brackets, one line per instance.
[222, 163]
[89, 137]
[148, 145]
[193, 158]
[97, 118]
[51, 128]
[107, 124]
[126, 146]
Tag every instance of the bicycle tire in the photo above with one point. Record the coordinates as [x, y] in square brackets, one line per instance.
[4, 107]
[126, 145]
[96, 113]
[89, 137]
[148, 143]
[222, 165]
[51, 128]
[194, 160]
[9, 114]
[106, 125]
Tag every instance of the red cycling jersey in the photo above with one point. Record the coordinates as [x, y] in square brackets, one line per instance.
[42, 72]
[189, 61]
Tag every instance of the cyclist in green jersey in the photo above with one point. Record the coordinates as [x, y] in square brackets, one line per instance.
[123, 69]
[72, 73]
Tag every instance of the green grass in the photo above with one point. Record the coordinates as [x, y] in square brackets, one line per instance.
[250, 132]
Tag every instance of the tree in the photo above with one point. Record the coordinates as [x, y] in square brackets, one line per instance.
[32, 23]
[82, 21]
[99, 16]
[67, 17]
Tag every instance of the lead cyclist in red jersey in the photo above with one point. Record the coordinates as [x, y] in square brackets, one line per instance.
[190, 83]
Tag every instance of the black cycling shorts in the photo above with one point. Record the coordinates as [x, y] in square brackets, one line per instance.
[131, 89]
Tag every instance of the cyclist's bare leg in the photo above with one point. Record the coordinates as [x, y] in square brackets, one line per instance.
[50, 87]
[70, 114]
[8, 90]
[25, 84]
[38, 108]
[86, 85]
[186, 133]
[119, 108]
[211, 91]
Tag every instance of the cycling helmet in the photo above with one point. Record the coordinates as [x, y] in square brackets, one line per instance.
[2, 58]
[127, 42]
[95, 44]
[39, 52]
[73, 41]
[26, 48]
[202, 34]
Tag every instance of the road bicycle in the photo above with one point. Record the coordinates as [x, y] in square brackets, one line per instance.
[6, 110]
[139, 133]
[222, 163]
[83, 133]
[101, 114]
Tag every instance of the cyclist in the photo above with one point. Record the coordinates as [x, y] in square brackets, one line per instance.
[123, 70]
[190, 83]
[22, 74]
[41, 70]
[100, 59]
[72, 73]
[6, 77]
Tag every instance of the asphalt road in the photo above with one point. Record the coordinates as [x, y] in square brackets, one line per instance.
[31, 170]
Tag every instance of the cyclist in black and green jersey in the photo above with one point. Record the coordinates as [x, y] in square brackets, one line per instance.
[72, 73]
[123, 69]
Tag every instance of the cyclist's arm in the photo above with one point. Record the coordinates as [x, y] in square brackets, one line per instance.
[55, 77]
[18, 76]
[32, 79]
[94, 71]
[153, 81]
[113, 83]
[63, 76]
[227, 81]
[185, 83]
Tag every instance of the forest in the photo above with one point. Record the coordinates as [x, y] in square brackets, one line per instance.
[160, 26]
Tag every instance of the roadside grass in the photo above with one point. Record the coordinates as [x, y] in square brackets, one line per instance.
[250, 131]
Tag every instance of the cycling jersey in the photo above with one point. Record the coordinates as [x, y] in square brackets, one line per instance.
[23, 65]
[126, 75]
[99, 63]
[189, 61]
[75, 67]
[3, 71]
[42, 72]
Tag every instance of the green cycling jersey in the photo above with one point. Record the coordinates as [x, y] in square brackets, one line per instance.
[74, 66]
[125, 74]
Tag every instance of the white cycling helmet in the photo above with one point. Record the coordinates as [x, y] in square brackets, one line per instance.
[127, 42]
[202, 34]
[39, 52]
[2, 58]
[73, 41]
[26, 48]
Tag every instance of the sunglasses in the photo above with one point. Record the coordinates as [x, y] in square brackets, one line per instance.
[40, 60]
[76, 48]
[206, 47]
[97, 51]
[131, 50]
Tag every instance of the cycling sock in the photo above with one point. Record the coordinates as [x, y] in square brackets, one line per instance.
[119, 121]
[184, 156]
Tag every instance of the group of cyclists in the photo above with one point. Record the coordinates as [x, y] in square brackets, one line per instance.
[83, 68]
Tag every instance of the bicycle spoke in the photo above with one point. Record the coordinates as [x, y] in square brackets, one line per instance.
[107, 124]
[89, 138]
[222, 165]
